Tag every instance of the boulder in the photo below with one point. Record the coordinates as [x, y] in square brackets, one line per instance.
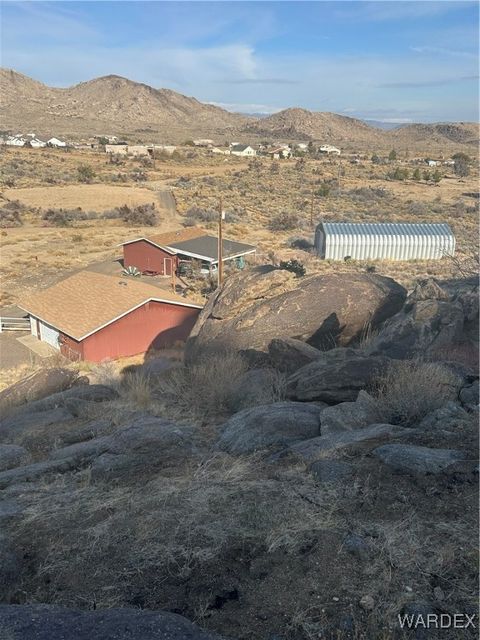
[150, 444]
[421, 327]
[12, 455]
[277, 424]
[330, 445]
[50, 622]
[15, 426]
[331, 470]
[289, 355]
[414, 459]
[350, 415]
[32, 472]
[469, 395]
[265, 303]
[446, 418]
[38, 385]
[85, 393]
[256, 386]
[338, 376]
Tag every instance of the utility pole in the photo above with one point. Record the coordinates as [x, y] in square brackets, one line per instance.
[221, 218]
[311, 209]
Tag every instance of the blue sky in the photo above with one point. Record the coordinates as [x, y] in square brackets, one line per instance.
[391, 61]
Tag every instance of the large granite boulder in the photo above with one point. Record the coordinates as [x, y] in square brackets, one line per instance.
[336, 377]
[413, 459]
[38, 385]
[277, 424]
[12, 455]
[254, 307]
[347, 416]
[435, 317]
[288, 354]
[49, 622]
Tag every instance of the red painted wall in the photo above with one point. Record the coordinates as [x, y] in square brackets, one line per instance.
[70, 348]
[146, 257]
[152, 326]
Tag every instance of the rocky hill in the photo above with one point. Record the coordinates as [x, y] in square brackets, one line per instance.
[116, 105]
[109, 105]
[300, 124]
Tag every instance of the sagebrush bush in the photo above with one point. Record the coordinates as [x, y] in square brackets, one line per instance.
[204, 388]
[411, 389]
[143, 214]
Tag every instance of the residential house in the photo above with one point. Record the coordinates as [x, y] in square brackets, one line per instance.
[55, 142]
[93, 316]
[203, 142]
[279, 153]
[243, 150]
[220, 150]
[329, 149]
[116, 149]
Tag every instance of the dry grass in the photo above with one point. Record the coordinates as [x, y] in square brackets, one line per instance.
[203, 389]
[411, 389]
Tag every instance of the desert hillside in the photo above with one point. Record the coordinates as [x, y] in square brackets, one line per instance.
[106, 105]
[116, 105]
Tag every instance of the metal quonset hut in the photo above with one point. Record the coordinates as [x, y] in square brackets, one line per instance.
[383, 241]
[92, 316]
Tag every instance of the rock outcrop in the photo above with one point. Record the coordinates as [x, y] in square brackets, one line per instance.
[49, 622]
[277, 424]
[338, 376]
[253, 308]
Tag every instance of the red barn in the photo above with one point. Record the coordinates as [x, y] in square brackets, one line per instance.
[92, 316]
[153, 254]
[160, 254]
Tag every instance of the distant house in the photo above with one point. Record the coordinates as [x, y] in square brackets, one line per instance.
[433, 163]
[116, 149]
[138, 150]
[161, 254]
[55, 142]
[302, 146]
[16, 141]
[203, 142]
[329, 149]
[383, 241]
[220, 151]
[242, 150]
[92, 316]
[165, 148]
[35, 143]
[280, 152]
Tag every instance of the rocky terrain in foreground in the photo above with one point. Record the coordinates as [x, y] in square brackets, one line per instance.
[310, 471]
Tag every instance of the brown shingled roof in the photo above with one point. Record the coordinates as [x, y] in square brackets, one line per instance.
[87, 301]
[169, 237]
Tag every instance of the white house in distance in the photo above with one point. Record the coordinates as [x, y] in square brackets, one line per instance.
[243, 150]
[203, 142]
[55, 142]
[330, 149]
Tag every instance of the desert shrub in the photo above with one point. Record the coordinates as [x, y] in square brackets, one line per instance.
[294, 266]
[368, 194]
[141, 215]
[197, 214]
[411, 389]
[417, 208]
[85, 173]
[138, 175]
[205, 387]
[62, 217]
[301, 243]
[324, 190]
[10, 214]
[284, 221]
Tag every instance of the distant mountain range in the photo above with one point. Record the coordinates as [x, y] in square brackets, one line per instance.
[112, 105]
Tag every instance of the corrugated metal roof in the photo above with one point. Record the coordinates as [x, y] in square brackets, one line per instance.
[206, 247]
[384, 241]
[387, 228]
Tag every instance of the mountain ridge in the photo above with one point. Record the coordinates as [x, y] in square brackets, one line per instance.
[113, 104]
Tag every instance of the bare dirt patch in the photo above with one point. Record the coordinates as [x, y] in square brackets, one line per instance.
[96, 197]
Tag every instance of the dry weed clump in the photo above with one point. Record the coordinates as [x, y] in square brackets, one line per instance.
[205, 387]
[411, 389]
